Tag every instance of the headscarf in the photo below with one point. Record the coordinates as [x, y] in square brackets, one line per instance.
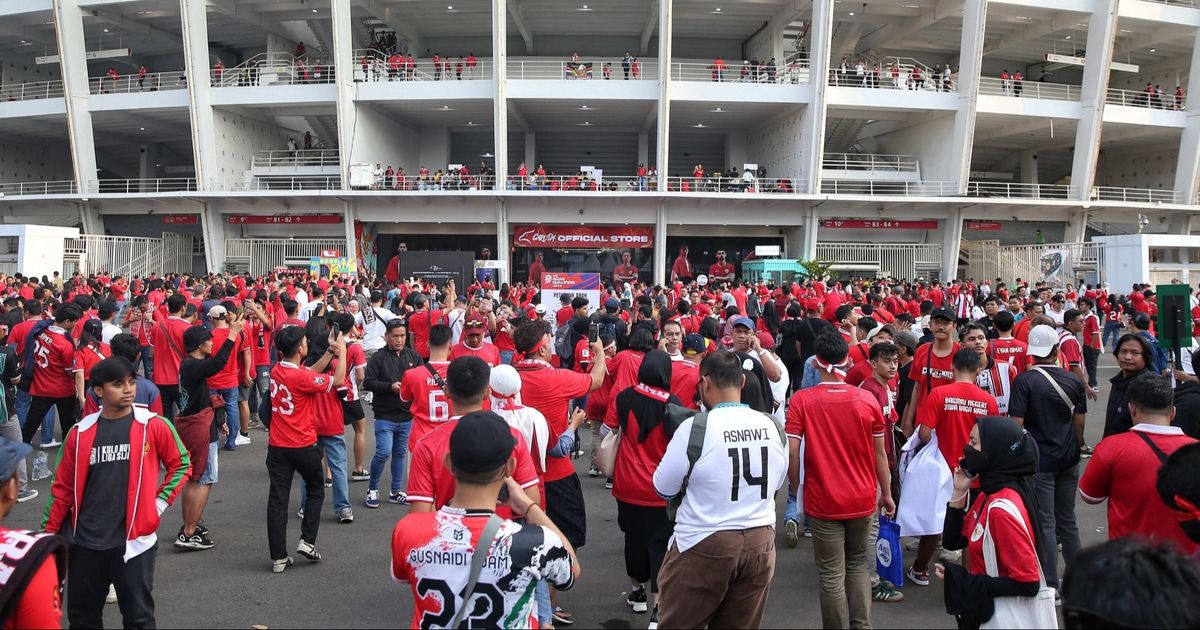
[647, 400]
[1012, 460]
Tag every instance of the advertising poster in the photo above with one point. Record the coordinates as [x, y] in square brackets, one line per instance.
[366, 247]
[554, 285]
[439, 267]
[323, 267]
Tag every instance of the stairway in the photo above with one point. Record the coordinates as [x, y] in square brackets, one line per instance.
[842, 133]
[324, 127]
[324, 45]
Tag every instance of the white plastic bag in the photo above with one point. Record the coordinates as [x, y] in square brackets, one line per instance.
[925, 486]
[40, 469]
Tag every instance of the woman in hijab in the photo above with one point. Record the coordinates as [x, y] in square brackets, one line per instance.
[641, 414]
[1003, 458]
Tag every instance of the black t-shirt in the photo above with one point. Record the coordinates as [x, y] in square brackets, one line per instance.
[1046, 415]
[9, 371]
[989, 327]
[807, 330]
[101, 513]
[904, 396]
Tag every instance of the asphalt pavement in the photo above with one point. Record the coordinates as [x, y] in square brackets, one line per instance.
[231, 585]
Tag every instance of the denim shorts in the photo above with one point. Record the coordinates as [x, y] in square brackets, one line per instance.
[210, 472]
[243, 393]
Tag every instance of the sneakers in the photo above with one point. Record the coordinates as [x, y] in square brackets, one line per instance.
[791, 532]
[242, 439]
[920, 578]
[563, 617]
[279, 566]
[398, 497]
[255, 423]
[111, 598]
[608, 484]
[1085, 451]
[308, 550]
[594, 472]
[653, 620]
[300, 512]
[328, 482]
[360, 475]
[637, 600]
[28, 494]
[51, 444]
[346, 516]
[198, 541]
[372, 500]
[885, 591]
[807, 530]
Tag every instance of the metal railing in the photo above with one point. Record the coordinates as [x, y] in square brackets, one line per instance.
[31, 91]
[764, 185]
[595, 69]
[276, 182]
[901, 260]
[1026, 191]
[126, 83]
[129, 255]
[264, 255]
[1135, 195]
[434, 182]
[299, 157]
[910, 74]
[168, 184]
[1025, 261]
[1029, 89]
[897, 188]
[1142, 98]
[272, 69]
[568, 183]
[1179, 3]
[794, 74]
[56, 187]
[870, 162]
[372, 65]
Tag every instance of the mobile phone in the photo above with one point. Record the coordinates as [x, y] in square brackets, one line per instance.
[593, 333]
[503, 496]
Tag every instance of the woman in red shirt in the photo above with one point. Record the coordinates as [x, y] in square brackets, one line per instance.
[91, 349]
[641, 512]
[1003, 457]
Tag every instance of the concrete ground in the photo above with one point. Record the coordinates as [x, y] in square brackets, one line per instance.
[231, 585]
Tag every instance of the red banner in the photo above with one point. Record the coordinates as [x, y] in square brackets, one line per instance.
[986, 226]
[879, 224]
[275, 219]
[181, 219]
[584, 236]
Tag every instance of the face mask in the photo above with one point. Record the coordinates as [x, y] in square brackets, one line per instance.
[973, 461]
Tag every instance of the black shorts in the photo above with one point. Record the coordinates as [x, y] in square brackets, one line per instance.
[352, 411]
[564, 506]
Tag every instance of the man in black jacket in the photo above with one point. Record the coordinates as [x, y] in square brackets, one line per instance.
[1187, 402]
[393, 420]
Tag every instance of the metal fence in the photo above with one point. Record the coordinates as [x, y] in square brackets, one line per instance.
[1029, 89]
[129, 255]
[31, 91]
[900, 260]
[264, 255]
[988, 259]
[57, 187]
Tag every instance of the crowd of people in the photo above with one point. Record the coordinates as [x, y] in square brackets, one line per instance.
[756, 71]
[955, 409]
[861, 73]
[460, 178]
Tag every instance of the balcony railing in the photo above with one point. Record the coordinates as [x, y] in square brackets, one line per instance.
[1135, 195]
[277, 182]
[57, 187]
[272, 69]
[1029, 89]
[764, 185]
[1024, 191]
[900, 188]
[126, 83]
[583, 70]
[870, 162]
[301, 157]
[898, 73]
[1142, 98]
[567, 183]
[31, 91]
[793, 74]
[371, 65]
[1179, 3]
[169, 184]
[434, 182]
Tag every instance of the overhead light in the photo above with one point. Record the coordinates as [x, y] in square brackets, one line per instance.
[699, 125]
[1023, 17]
[911, 6]
[1153, 50]
[1067, 37]
[717, 10]
[105, 30]
[24, 43]
[450, 7]
[470, 124]
[1125, 30]
[852, 14]
[585, 8]
[584, 108]
[141, 128]
[585, 124]
[444, 108]
[487, 154]
[314, 10]
[717, 110]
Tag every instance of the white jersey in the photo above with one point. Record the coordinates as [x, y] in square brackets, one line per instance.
[997, 381]
[737, 439]
[374, 330]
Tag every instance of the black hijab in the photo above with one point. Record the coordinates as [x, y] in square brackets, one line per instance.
[1012, 459]
[648, 399]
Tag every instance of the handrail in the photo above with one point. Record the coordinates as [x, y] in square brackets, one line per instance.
[546, 69]
[1142, 98]
[126, 83]
[764, 185]
[276, 182]
[928, 79]
[54, 187]
[1021, 190]
[739, 73]
[371, 64]
[126, 186]
[433, 182]
[1135, 195]
[31, 91]
[1029, 89]
[1179, 3]
[899, 188]
[299, 157]
[869, 162]
[571, 183]
[272, 69]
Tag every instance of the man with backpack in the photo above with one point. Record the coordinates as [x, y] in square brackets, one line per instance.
[49, 365]
[565, 337]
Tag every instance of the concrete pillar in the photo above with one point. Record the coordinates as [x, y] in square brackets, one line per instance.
[90, 219]
[813, 124]
[1187, 170]
[736, 153]
[212, 225]
[970, 65]
[503, 249]
[952, 229]
[666, 9]
[76, 90]
[500, 74]
[660, 236]
[193, 14]
[148, 165]
[793, 241]
[349, 214]
[643, 148]
[343, 72]
[531, 150]
[810, 228]
[1029, 166]
[1102, 29]
[1076, 228]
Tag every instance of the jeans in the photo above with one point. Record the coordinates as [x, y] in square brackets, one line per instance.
[1091, 361]
[545, 612]
[795, 505]
[230, 395]
[258, 389]
[391, 442]
[282, 465]
[147, 357]
[334, 449]
[1056, 510]
[1111, 329]
[840, 550]
[89, 572]
[11, 430]
[22, 404]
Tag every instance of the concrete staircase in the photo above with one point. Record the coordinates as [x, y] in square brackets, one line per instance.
[324, 127]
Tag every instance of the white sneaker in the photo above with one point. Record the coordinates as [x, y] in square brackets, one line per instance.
[241, 440]
[111, 598]
[51, 444]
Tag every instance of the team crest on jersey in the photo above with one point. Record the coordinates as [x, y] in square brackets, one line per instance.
[977, 533]
[319, 380]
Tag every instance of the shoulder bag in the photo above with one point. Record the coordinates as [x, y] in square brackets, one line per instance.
[1017, 612]
[478, 557]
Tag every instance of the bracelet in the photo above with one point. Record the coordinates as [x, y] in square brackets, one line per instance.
[960, 497]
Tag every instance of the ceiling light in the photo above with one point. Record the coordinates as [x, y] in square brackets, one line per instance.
[1023, 17]
[1125, 30]
[450, 7]
[717, 10]
[1067, 37]
[585, 124]
[851, 13]
[141, 128]
[488, 154]
[699, 125]
[584, 108]
[24, 43]
[314, 10]
[717, 110]
[470, 124]
[585, 8]
[444, 108]
[1153, 50]
[105, 30]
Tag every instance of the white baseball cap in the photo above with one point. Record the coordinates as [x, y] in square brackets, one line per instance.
[1042, 340]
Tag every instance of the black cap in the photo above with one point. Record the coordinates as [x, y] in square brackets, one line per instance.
[943, 313]
[194, 337]
[481, 442]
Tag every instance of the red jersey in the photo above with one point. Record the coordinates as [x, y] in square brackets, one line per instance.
[1019, 560]
[685, 382]
[1091, 331]
[1069, 352]
[633, 476]
[1010, 351]
[419, 325]
[228, 376]
[167, 338]
[839, 424]
[294, 390]
[488, 352]
[426, 398]
[54, 365]
[550, 390]
[260, 342]
[88, 356]
[927, 366]
[951, 411]
[885, 395]
[721, 271]
[17, 335]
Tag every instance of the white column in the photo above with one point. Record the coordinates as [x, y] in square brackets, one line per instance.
[503, 250]
[660, 238]
[1187, 169]
[970, 65]
[500, 77]
[1102, 29]
[1185, 262]
[810, 228]
[349, 214]
[813, 124]
[194, 16]
[90, 219]
[343, 72]
[212, 225]
[1029, 166]
[666, 9]
[1076, 228]
[952, 229]
[531, 150]
[73, 65]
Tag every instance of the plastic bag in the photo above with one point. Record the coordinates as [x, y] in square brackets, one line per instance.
[889, 555]
[40, 469]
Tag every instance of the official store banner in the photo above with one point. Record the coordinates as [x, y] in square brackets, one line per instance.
[584, 236]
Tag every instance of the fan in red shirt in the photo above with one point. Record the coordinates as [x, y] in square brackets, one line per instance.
[536, 269]
[167, 339]
[425, 317]
[424, 387]
[1005, 348]
[932, 365]
[681, 269]
[57, 376]
[473, 344]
